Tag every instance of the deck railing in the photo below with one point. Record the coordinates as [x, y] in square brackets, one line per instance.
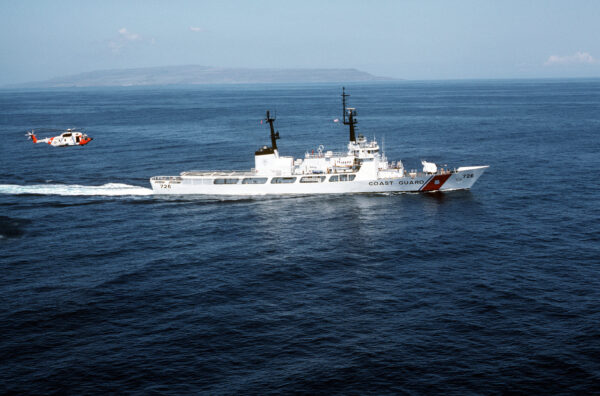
[219, 173]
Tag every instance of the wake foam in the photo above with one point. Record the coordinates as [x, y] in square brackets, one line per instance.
[110, 189]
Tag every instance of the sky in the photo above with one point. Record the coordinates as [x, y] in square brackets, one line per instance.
[415, 40]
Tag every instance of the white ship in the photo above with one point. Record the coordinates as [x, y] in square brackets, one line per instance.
[363, 168]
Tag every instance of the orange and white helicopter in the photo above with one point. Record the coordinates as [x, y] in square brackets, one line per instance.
[70, 137]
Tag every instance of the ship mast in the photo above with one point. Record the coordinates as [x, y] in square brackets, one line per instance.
[351, 121]
[274, 135]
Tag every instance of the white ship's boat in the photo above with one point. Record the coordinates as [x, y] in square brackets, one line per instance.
[363, 168]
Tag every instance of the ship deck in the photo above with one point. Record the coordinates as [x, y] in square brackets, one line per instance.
[209, 173]
[253, 173]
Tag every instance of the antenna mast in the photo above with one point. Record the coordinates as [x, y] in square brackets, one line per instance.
[351, 113]
[274, 135]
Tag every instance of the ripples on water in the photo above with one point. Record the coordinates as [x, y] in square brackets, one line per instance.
[107, 288]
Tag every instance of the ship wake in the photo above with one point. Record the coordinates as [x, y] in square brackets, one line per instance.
[109, 189]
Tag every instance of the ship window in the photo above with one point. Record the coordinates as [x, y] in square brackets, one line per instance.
[226, 181]
[342, 178]
[282, 180]
[312, 179]
[201, 181]
[254, 180]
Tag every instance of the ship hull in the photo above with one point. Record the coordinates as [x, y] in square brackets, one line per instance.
[461, 179]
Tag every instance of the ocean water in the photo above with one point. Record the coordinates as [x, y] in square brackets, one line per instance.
[108, 288]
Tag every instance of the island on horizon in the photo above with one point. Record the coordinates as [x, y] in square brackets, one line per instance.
[198, 75]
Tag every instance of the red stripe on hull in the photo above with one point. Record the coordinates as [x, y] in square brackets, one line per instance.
[435, 183]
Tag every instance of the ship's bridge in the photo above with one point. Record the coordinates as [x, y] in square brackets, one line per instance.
[362, 148]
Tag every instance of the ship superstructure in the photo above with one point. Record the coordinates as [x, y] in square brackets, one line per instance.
[362, 168]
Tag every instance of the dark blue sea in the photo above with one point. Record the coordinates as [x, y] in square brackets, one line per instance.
[105, 288]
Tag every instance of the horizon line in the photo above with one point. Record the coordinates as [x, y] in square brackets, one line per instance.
[14, 87]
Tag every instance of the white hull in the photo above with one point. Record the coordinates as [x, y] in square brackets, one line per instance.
[363, 168]
[461, 179]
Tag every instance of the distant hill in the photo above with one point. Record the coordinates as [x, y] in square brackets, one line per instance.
[191, 75]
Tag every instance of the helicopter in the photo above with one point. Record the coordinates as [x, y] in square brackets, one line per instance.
[70, 137]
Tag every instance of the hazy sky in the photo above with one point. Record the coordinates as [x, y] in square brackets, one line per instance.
[402, 39]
